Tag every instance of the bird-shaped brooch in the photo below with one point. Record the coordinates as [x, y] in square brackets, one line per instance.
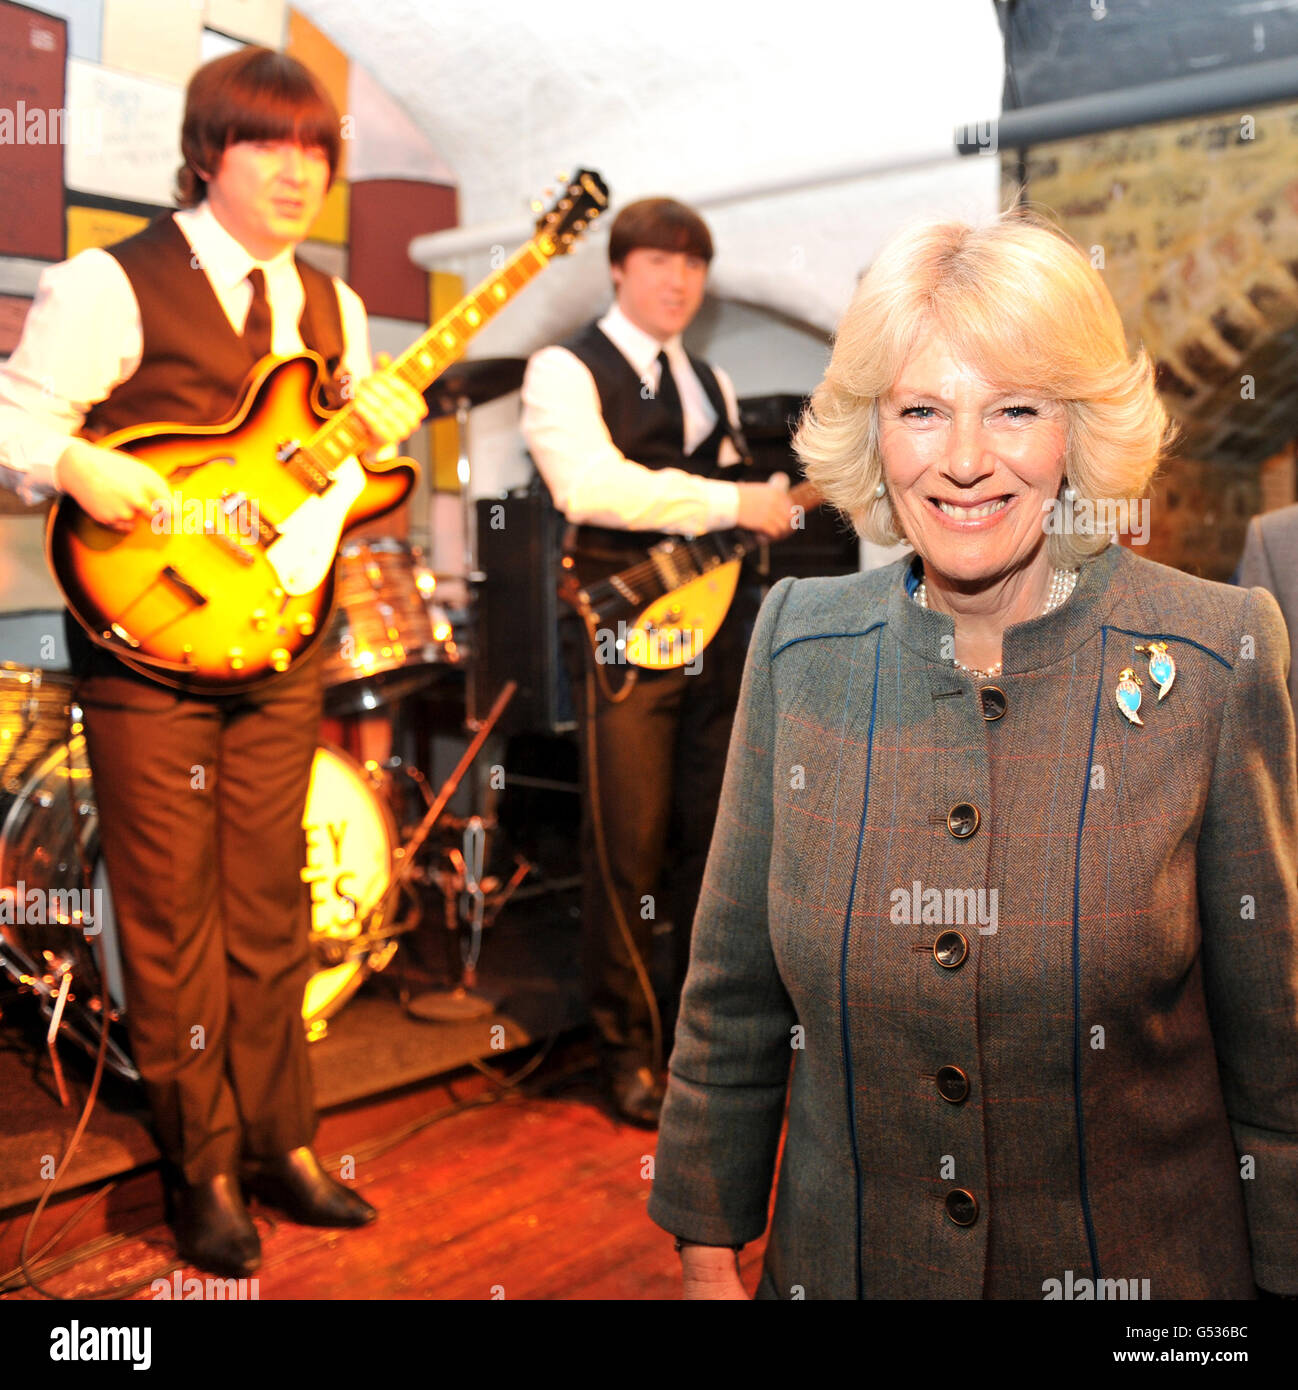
[1162, 669]
[1128, 694]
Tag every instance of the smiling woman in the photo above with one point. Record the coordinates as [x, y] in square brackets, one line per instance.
[994, 1104]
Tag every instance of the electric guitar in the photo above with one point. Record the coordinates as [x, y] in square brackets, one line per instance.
[236, 582]
[663, 611]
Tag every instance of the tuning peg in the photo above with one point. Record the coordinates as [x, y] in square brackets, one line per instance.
[549, 192]
[537, 205]
[563, 178]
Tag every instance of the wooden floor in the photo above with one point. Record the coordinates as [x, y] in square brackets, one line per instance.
[482, 1193]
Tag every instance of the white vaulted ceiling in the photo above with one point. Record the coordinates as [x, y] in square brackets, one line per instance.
[691, 96]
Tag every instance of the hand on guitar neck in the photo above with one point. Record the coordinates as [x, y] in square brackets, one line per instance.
[391, 408]
[767, 508]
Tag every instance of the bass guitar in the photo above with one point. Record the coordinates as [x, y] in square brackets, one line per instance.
[237, 583]
[663, 611]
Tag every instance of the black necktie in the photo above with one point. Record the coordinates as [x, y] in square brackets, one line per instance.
[669, 397]
[256, 328]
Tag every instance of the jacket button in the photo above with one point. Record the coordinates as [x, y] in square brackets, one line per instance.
[993, 701]
[952, 1084]
[961, 1206]
[962, 819]
[950, 950]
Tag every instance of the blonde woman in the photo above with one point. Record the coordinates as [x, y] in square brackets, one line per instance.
[1005, 865]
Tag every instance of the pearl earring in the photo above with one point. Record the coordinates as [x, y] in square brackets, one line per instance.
[1070, 494]
[881, 489]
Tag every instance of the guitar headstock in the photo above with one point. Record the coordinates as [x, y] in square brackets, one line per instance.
[582, 200]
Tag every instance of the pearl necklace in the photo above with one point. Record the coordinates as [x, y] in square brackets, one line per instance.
[1062, 584]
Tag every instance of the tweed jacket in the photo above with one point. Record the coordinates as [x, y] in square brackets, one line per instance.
[1125, 1021]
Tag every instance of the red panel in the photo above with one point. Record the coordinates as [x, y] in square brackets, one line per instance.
[33, 125]
[13, 313]
[386, 215]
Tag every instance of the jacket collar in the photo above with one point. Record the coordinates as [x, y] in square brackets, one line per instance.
[1026, 646]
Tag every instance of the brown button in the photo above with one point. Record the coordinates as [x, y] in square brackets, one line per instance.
[994, 702]
[952, 1084]
[962, 819]
[950, 950]
[961, 1206]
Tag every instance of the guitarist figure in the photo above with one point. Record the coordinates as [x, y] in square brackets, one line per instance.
[637, 440]
[201, 797]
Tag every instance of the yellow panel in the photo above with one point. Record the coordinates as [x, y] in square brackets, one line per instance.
[100, 227]
[153, 40]
[331, 225]
[444, 292]
[309, 46]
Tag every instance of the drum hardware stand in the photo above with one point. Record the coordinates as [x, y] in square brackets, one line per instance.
[461, 1002]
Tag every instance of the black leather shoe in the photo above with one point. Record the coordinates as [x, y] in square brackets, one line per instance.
[637, 1097]
[297, 1185]
[213, 1228]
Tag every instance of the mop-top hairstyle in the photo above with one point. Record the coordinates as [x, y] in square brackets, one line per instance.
[1020, 305]
[254, 94]
[658, 224]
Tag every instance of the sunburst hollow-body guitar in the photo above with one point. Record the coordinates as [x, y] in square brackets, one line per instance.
[233, 580]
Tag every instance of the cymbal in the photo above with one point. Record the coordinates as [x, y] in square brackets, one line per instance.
[477, 382]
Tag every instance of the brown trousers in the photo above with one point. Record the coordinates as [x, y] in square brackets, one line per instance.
[200, 814]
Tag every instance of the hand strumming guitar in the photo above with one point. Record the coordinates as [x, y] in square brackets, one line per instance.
[766, 509]
[111, 486]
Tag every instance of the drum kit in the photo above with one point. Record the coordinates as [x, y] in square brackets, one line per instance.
[389, 638]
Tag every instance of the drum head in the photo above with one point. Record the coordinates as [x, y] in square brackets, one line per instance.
[349, 840]
[387, 636]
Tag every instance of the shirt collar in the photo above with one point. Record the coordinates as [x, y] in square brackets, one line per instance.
[639, 348]
[225, 259]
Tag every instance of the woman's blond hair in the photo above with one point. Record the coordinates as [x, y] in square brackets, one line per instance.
[1018, 303]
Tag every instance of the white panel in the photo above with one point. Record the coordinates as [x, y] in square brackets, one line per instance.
[138, 123]
[257, 21]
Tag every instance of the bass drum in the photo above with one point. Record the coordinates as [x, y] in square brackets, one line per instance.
[56, 905]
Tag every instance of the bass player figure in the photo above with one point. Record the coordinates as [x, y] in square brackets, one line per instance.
[637, 440]
[201, 797]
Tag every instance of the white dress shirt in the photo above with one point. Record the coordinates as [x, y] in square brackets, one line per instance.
[83, 337]
[589, 477]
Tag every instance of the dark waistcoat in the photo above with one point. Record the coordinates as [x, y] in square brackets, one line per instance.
[643, 431]
[194, 363]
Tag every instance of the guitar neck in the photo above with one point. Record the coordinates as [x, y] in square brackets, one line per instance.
[345, 433]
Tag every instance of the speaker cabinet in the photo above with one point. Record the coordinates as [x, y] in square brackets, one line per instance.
[520, 536]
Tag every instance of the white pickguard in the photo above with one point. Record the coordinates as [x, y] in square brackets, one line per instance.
[304, 551]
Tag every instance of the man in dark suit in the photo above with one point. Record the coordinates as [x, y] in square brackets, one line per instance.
[201, 798]
[1270, 561]
[637, 439]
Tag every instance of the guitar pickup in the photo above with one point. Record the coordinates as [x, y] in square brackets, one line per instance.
[176, 579]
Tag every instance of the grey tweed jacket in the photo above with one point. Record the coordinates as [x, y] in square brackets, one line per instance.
[1091, 1077]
